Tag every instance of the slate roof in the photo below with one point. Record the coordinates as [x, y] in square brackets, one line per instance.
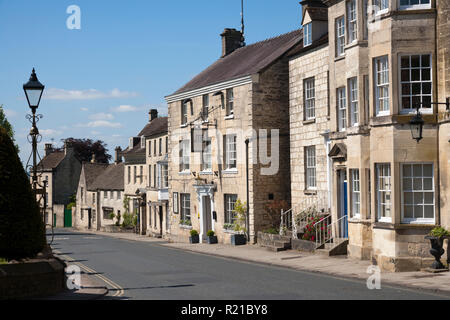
[317, 43]
[111, 178]
[51, 161]
[318, 14]
[91, 172]
[244, 61]
[155, 127]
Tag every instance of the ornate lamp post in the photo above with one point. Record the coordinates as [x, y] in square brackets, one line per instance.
[33, 91]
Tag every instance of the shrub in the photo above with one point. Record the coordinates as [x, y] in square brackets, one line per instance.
[22, 231]
[439, 232]
[112, 216]
[240, 209]
[210, 233]
[127, 220]
[271, 231]
[310, 228]
[194, 233]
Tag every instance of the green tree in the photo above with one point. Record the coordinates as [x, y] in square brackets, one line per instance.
[22, 231]
[4, 123]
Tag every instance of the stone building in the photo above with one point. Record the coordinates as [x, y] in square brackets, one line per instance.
[61, 169]
[387, 190]
[217, 125]
[157, 196]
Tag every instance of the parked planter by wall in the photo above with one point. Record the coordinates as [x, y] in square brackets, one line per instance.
[437, 250]
[212, 240]
[238, 239]
[194, 239]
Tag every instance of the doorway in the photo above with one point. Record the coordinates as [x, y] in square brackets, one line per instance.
[160, 221]
[343, 203]
[207, 219]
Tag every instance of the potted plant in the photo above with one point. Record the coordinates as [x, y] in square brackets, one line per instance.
[239, 238]
[437, 237]
[194, 238]
[211, 237]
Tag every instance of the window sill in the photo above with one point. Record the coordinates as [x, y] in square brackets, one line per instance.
[338, 58]
[230, 171]
[230, 117]
[232, 232]
[310, 121]
[206, 173]
[310, 192]
[184, 125]
[184, 173]
[185, 227]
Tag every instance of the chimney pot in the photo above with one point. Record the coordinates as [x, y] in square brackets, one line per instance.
[153, 114]
[118, 155]
[232, 40]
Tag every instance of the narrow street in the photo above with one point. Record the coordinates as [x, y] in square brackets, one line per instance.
[144, 270]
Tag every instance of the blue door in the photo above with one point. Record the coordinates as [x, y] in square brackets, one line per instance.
[344, 204]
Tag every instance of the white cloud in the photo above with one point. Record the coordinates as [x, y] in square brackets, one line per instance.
[101, 116]
[125, 108]
[10, 113]
[101, 124]
[50, 132]
[84, 109]
[90, 94]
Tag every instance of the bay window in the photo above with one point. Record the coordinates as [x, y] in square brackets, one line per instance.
[381, 71]
[416, 82]
[381, 6]
[418, 202]
[340, 36]
[384, 192]
[414, 4]
[353, 100]
[352, 21]
[356, 193]
[342, 109]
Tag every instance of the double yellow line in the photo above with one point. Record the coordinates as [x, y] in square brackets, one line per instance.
[119, 292]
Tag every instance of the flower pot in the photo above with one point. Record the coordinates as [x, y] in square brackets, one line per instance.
[238, 239]
[212, 240]
[437, 251]
[194, 239]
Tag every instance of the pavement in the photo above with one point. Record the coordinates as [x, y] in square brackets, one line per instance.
[341, 267]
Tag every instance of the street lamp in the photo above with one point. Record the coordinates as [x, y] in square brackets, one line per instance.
[417, 126]
[33, 91]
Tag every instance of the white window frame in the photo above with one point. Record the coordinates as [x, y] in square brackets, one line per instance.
[383, 6]
[231, 152]
[184, 156]
[307, 34]
[205, 108]
[340, 36]
[341, 95]
[230, 201]
[380, 204]
[353, 101]
[184, 112]
[382, 85]
[142, 142]
[310, 98]
[310, 168]
[410, 6]
[230, 102]
[207, 155]
[411, 83]
[356, 192]
[422, 220]
[352, 21]
[185, 199]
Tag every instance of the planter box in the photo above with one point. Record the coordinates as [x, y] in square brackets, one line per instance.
[194, 239]
[238, 239]
[212, 240]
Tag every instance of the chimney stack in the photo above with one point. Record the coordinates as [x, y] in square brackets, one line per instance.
[67, 147]
[153, 114]
[232, 40]
[118, 155]
[48, 149]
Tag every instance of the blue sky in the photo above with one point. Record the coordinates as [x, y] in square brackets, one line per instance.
[102, 80]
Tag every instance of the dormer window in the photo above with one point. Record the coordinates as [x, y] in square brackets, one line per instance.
[130, 143]
[307, 34]
[142, 142]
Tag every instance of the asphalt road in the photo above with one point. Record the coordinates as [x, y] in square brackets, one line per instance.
[142, 270]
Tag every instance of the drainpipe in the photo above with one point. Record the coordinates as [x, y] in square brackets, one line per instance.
[247, 141]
